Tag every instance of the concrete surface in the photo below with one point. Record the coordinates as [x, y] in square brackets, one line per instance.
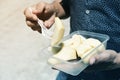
[20, 47]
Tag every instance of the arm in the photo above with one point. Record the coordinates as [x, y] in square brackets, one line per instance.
[62, 8]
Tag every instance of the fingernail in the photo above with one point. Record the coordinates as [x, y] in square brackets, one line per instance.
[92, 61]
[47, 24]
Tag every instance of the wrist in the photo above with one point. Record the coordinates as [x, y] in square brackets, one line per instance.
[58, 9]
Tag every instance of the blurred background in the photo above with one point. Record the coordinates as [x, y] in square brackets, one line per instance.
[20, 47]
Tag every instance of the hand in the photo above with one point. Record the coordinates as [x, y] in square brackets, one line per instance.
[43, 11]
[108, 59]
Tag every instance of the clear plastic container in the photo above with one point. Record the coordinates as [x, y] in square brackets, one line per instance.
[75, 67]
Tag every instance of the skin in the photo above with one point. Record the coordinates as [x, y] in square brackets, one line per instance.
[44, 11]
[108, 59]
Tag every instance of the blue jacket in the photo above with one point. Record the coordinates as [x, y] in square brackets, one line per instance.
[101, 16]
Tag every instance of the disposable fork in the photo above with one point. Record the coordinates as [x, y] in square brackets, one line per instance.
[45, 32]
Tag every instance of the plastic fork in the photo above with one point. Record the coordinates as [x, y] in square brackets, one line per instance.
[45, 32]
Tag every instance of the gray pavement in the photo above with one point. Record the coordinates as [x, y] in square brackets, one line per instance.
[20, 47]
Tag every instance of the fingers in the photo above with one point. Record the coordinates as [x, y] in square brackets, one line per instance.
[31, 19]
[102, 61]
[29, 15]
[46, 13]
[50, 9]
[106, 56]
[48, 23]
[33, 25]
[39, 8]
[43, 11]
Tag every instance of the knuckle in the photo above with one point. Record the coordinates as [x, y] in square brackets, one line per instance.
[40, 4]
[27, 13]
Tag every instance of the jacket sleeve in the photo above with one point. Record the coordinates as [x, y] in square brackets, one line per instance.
[66, 6]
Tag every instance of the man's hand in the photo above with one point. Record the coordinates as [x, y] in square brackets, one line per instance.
[108, 59]
[43, 11]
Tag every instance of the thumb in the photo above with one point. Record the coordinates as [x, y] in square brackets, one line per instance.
[101, 57]
[92, 61]
[48, 23]
[105, 56]
[38, 9]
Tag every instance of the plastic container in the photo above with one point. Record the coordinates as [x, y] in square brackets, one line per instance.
[75, 67]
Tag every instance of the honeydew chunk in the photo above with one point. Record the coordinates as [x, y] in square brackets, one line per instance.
[58, 32]
[86, 57]
[53, 61]
[92, 42]
[95, 43]
[101, 48]
[82, 49]
[68, 42]
[89, 48]
[56, 49]
[66, 53]
[80, 37]
[75, 41]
